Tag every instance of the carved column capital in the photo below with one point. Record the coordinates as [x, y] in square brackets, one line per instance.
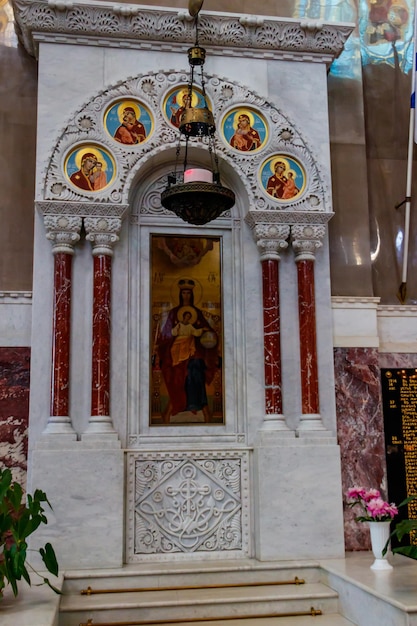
[103, 232]
[306, 239]
[63, 231]
[271, 239]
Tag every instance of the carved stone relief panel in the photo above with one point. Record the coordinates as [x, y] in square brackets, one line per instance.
[188, 503]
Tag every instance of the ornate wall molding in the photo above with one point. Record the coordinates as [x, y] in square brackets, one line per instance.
[115, 24]
[188, 503]
[87, 126]
[81, 209]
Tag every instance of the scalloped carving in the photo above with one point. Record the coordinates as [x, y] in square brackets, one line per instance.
[155, 25]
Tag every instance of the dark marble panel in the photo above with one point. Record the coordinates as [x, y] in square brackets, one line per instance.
[360, 430]
[14, 409]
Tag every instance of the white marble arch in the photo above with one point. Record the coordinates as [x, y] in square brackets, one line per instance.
[148, 216]
[86, 126]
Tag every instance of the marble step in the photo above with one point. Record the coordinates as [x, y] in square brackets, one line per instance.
[157, 575]
[203, 603]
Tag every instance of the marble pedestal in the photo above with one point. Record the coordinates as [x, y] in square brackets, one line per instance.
[298, 509]
[84, 484]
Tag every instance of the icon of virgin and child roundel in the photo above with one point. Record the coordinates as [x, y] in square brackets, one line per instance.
[178, 99]
[128, 122]
[90, 167]
[283, 177]
[245, 129]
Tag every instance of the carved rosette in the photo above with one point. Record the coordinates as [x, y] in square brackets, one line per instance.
[63, 231]
[271, 239]
[103, 232]
[306, 239]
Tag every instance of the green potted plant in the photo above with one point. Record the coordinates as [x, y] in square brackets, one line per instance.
[403, 528]
[18, 520]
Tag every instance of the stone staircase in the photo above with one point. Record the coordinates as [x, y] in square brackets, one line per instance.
[238, 593]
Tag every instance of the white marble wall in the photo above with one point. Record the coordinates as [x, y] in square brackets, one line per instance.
[15, 318]
[70, 76]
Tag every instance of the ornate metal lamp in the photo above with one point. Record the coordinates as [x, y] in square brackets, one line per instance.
[197, 195]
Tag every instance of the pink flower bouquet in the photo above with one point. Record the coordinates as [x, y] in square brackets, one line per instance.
[374, 508]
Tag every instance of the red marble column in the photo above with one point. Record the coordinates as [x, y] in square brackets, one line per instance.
[64, 232]
[100, 384]
[308, 343]
[272, 339]
[306, 239]
[103, 234]
[271, 238]
[61, 334]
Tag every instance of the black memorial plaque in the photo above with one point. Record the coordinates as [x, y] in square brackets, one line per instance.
[399, 400]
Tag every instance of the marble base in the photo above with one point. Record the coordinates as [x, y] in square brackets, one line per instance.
[84, 485]
[298, 512]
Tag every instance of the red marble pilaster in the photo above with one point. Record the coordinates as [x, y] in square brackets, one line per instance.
[100, 384]
[308, 343]
[61, 334]
[272, 345]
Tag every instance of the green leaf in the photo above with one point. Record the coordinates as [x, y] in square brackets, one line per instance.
[15, 495]
[410, 551]
[407, 500]
[49, 558]
[40, 496]
[9, 574]
[26, 576]
[5, 482]
[404, 528]
[29, 527]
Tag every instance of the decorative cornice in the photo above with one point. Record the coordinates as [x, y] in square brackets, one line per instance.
[286, 217]
[306, 239]
[138, 26]
[82, 209]
[17, 297]
[355, 302]
[397, 310]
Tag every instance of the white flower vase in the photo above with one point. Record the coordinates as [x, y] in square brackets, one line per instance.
[380, 532]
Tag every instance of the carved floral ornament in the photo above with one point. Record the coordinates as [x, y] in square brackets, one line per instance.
[87, 133]
[49, 20]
